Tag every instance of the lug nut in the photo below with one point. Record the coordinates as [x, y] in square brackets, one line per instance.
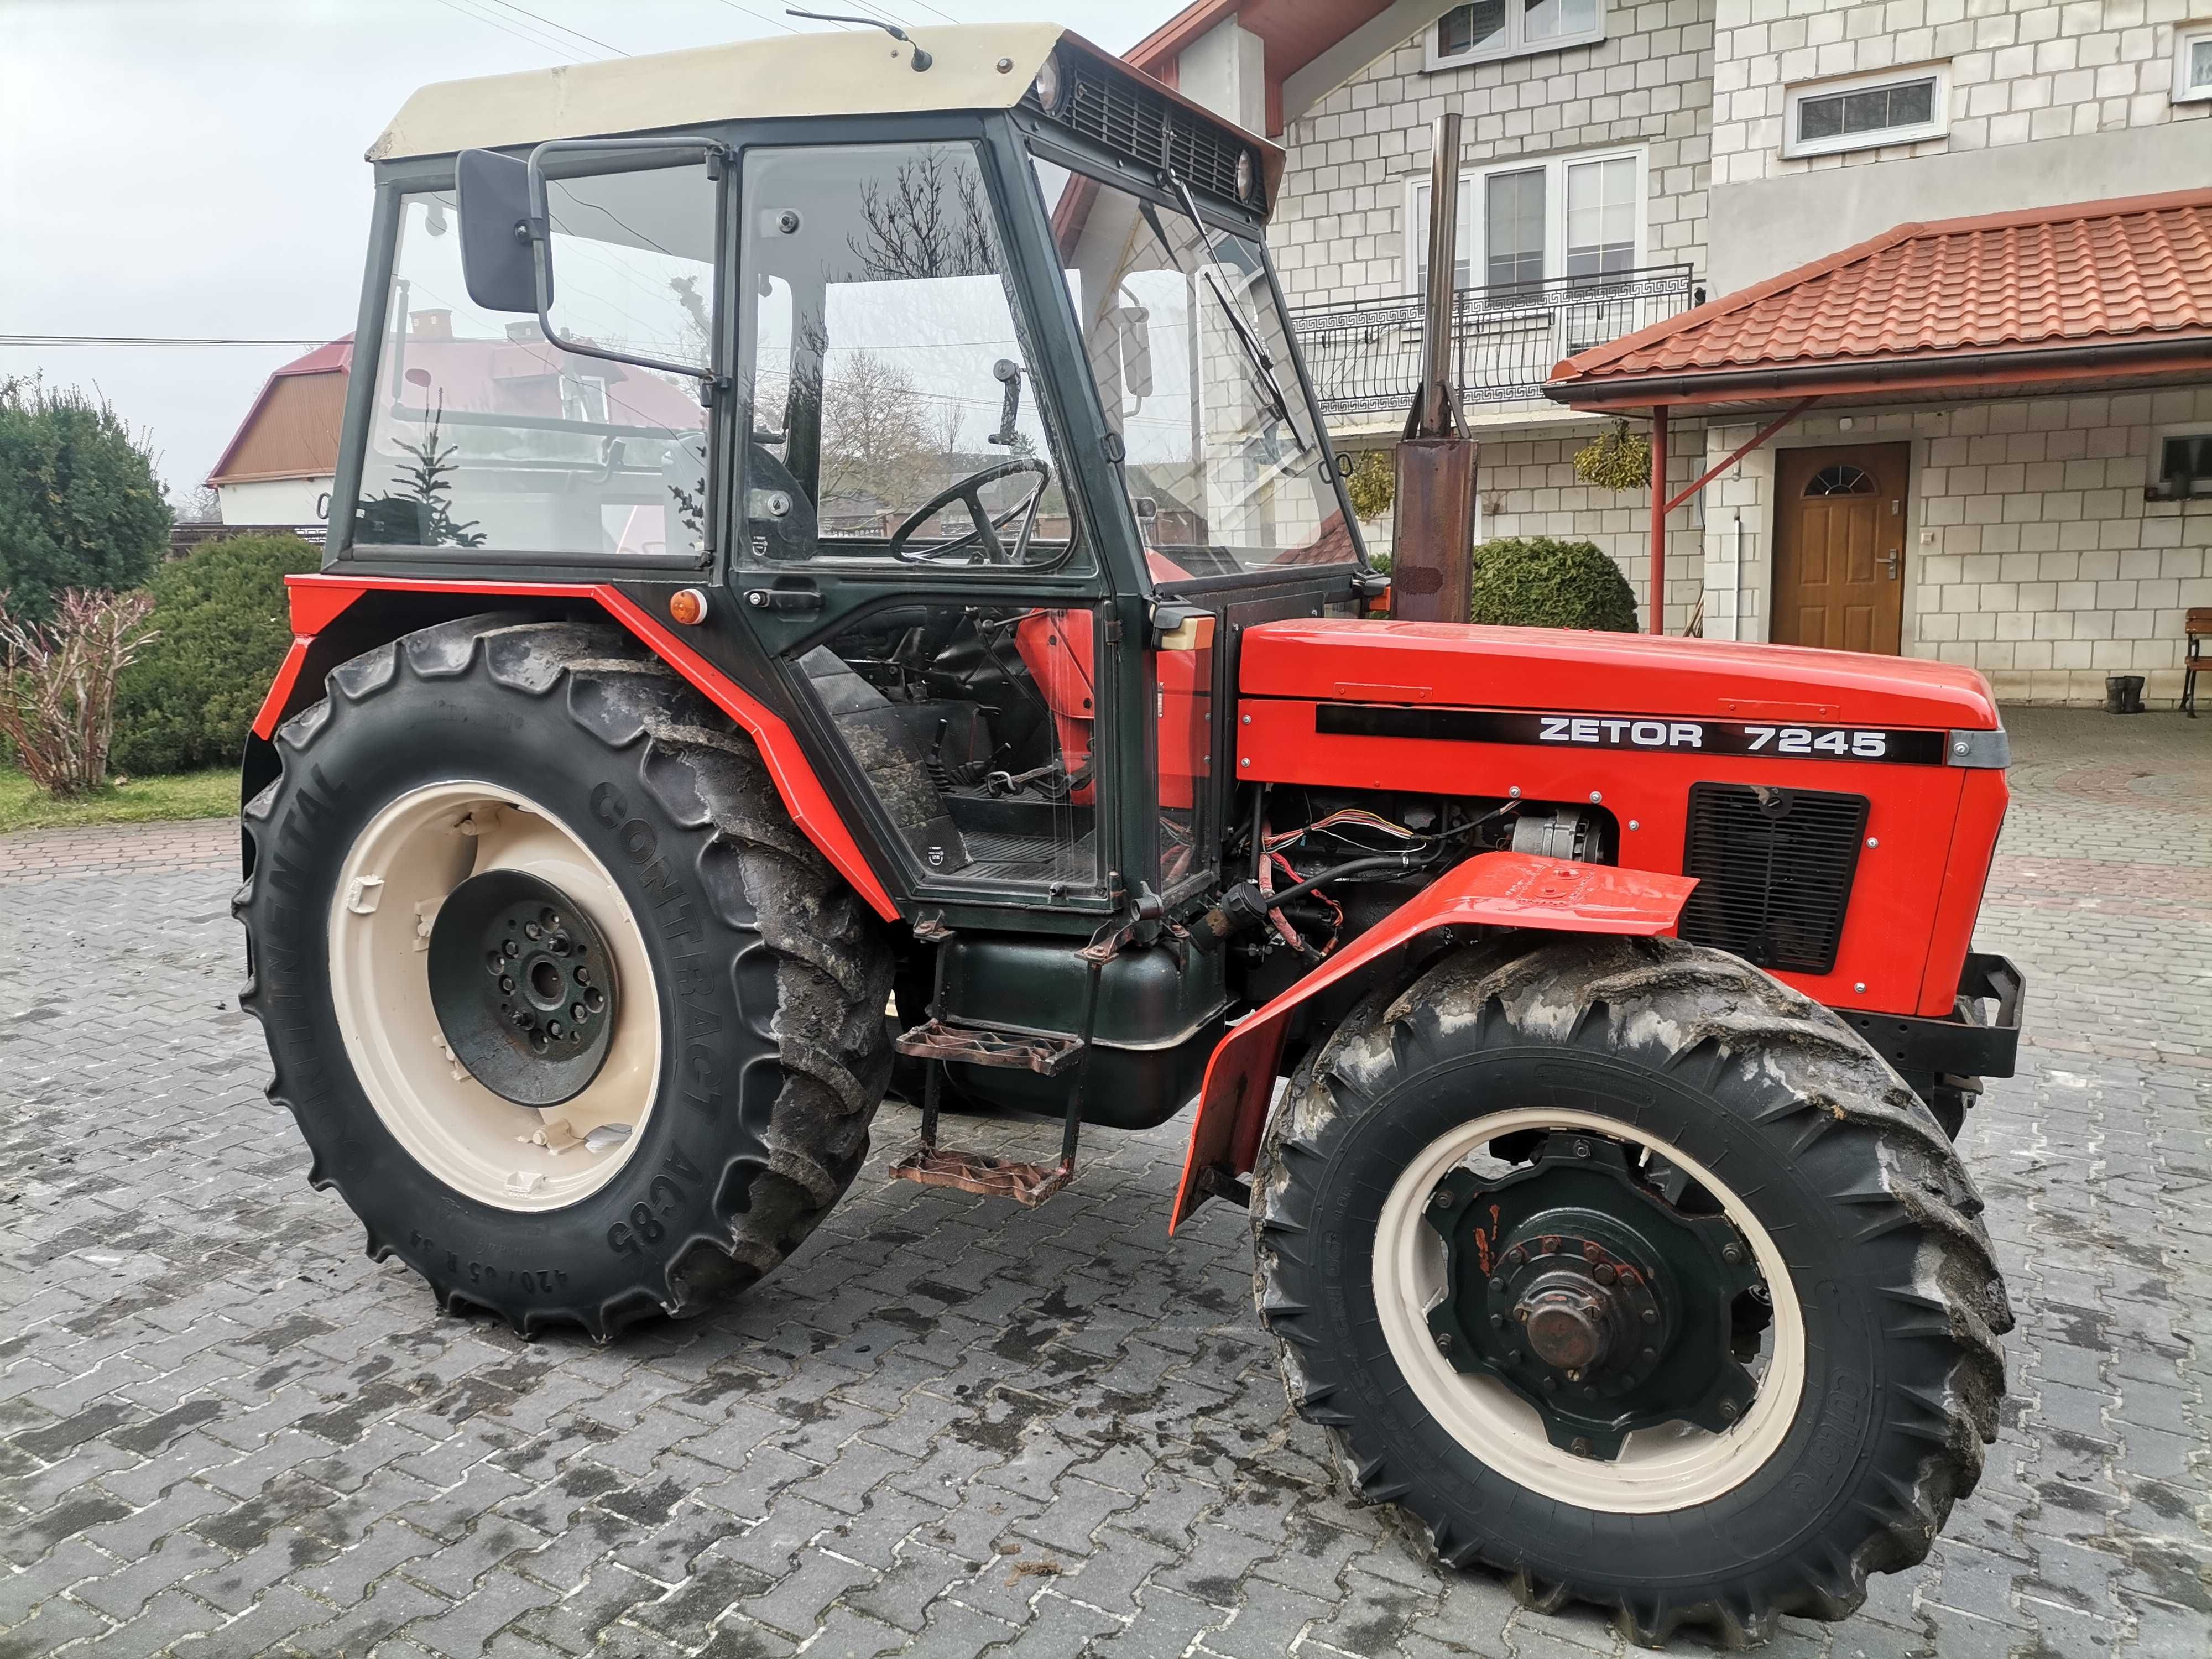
[1651, 1316]
[1589, 1249]
[576, 1012]
[1579, 1446]
[1441, 1199]
[583, 974]
[1728, 1409]
[1605, 1274]
[510, 949]
[1732, 1253]
[1444, 1342]
[1496, 1283]
[506, 983]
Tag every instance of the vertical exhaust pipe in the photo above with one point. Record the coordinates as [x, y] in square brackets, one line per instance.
[1432, 571]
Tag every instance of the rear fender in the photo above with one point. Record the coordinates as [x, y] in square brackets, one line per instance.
[319, 601]
[1491, 890]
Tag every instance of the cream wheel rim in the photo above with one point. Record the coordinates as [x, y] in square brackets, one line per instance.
[1672, 1467]
[398, 872]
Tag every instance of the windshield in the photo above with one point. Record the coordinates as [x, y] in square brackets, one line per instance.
[1191, 354]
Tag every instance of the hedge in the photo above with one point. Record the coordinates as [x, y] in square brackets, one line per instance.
[1534, 581]
[224, 628]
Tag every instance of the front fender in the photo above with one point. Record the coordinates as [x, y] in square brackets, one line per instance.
[1491, 890]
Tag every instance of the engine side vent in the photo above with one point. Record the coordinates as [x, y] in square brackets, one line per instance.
[1774, 870]
[1122, 114]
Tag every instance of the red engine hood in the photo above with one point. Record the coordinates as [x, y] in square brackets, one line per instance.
[1474, 667]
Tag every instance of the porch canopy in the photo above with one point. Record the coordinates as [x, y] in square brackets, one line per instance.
[2094, 295]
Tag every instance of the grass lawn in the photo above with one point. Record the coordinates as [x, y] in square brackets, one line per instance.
[210, 795]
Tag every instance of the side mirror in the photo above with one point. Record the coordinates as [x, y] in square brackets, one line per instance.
[492, 194]
[1133, 339]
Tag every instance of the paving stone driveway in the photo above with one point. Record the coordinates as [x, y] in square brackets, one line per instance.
[950, 1427]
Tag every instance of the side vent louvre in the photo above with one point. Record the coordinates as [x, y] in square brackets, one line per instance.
[1774, 870]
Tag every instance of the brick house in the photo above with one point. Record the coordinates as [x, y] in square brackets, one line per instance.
[1623, 164]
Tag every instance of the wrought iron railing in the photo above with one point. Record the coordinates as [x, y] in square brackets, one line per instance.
[1365, 356]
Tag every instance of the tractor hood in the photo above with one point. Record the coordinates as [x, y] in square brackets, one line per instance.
[1348, 661]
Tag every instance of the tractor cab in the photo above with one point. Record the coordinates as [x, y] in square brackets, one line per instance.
[967, 401]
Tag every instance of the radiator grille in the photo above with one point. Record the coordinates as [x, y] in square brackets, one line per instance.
[1774, 870]
[1127, 116]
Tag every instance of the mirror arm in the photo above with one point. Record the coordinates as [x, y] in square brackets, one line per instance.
[537, 226]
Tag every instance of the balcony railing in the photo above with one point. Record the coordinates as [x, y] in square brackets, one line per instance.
[1365, 356]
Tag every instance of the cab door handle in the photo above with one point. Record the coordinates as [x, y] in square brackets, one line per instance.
[784, 596]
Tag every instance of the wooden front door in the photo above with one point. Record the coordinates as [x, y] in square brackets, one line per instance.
[1839, 547]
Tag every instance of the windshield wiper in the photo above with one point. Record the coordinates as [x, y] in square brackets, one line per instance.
[1255, 350]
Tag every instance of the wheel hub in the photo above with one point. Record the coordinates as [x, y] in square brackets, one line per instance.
[1589, 1294]
[523, 986]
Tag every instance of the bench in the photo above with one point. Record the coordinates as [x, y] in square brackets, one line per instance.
[2199, 626]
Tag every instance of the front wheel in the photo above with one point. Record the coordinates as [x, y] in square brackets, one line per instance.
[1631, 1272]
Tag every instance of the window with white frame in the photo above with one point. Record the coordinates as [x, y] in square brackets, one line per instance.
[1868, 111]
[1513, 28]
[1522, 222]
[2192, 64]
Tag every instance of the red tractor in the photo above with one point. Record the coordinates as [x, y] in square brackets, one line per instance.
[837, 576]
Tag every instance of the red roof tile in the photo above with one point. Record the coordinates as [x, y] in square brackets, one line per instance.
[2091, 273]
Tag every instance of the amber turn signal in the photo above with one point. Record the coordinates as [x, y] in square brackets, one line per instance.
[687, 606]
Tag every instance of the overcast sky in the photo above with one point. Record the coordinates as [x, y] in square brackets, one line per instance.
[192, 168]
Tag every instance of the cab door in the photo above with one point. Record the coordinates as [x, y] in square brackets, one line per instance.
[905, 544]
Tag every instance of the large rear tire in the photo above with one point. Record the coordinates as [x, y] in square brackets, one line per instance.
[685, 1088]
[1651, 1112]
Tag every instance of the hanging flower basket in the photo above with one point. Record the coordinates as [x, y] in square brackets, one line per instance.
[1620, 457]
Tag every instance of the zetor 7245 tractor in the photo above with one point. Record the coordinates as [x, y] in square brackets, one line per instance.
[837, 577]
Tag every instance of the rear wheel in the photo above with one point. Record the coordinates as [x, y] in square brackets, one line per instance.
[569, 1013]
[1630, 1271]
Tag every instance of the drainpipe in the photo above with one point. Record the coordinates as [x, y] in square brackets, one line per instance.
[1658, 519]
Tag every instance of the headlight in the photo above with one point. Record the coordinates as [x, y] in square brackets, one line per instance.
[1047, 86]
[1248, 179]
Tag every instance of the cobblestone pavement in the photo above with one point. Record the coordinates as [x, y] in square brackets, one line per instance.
[949, 1425]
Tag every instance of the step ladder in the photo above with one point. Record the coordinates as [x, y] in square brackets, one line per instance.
[936, 1041]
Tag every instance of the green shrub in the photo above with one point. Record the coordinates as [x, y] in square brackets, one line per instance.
[224, 628]
[1534, 581]
[80, 506]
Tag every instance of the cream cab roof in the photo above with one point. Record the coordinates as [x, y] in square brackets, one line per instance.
[835, 72]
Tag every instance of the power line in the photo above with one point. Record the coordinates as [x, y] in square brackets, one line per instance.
[148, 340]
[760, 17]
[509, 5]
[559, 49]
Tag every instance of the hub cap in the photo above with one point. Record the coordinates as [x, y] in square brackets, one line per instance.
[1642, 1340]
[1586, 1292]
[523, 985]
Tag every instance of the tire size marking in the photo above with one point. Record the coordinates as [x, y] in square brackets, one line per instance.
[486, 1273]
[663, 1194]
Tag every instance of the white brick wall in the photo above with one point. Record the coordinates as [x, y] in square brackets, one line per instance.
[2020, 71]
[1337, 233]
[2031, 553]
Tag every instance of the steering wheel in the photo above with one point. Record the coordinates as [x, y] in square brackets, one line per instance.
[970, 492]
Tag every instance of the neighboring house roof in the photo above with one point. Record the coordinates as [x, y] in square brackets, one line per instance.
[2095, 289]
[1311, 46]
[291, 431]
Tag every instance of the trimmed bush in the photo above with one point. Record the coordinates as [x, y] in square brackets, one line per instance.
[80, 506]
[1534, 581]
[224, 627]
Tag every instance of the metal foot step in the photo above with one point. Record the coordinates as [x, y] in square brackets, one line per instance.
[984, 1045]
[978, 1172]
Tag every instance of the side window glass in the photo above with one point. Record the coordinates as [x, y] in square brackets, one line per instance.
[485, 433]
[894, 413]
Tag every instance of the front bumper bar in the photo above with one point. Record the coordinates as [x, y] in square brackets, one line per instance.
[1964, 1045]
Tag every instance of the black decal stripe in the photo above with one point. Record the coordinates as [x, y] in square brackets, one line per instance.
[1651, 733]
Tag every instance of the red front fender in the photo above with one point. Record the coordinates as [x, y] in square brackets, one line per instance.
[1493, 890]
